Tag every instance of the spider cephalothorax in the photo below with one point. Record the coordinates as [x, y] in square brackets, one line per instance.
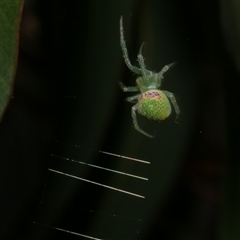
[152, 102]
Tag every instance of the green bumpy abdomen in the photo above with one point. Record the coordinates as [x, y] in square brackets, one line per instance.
[154, 105]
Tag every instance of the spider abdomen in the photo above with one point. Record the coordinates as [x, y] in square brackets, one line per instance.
[154, 104]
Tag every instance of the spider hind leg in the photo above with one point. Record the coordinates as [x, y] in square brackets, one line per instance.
[174, 103]
[135, 123]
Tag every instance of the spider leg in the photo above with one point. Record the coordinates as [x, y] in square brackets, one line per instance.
[165, 69]
[133, 99]
[141, 63]
[125, 52]
[135, 123]
[174, 103]
[128, 89]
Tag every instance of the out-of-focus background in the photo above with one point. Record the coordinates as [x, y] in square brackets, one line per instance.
[67, 105]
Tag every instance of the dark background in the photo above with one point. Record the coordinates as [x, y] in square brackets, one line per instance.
[67, 103]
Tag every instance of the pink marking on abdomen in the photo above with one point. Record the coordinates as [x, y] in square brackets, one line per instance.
[153, 94]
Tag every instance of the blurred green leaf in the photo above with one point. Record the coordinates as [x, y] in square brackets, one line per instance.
[10, 13]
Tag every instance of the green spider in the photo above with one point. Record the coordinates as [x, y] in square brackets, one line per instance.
[152, 102]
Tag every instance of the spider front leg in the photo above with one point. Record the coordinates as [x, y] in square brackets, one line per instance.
[174, 103]
[135, 123]
[125, 52]
[141, 63]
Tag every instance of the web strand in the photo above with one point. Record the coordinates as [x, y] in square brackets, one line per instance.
[103, 168]
[63, 230]
[99, 184]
